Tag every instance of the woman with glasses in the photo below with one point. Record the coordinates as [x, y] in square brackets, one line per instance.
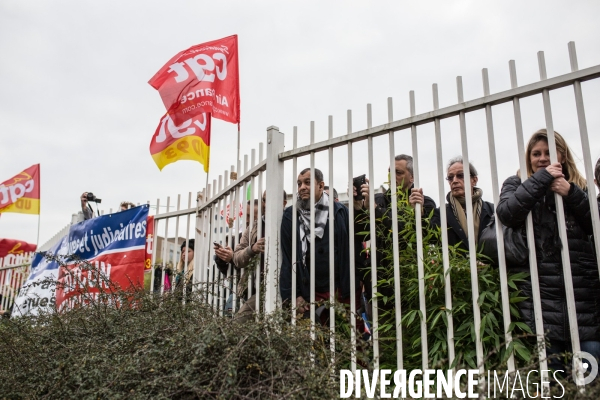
[536, 195]
[456, 208]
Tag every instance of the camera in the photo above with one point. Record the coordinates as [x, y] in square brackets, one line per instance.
[90, 197]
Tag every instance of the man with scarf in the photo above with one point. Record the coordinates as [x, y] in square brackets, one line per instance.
[323, 245]
[456, 211]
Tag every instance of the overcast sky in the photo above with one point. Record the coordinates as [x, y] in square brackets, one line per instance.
[74, 95]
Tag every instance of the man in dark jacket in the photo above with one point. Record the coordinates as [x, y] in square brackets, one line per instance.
[323, 245]
[456, 212]
[383, 213]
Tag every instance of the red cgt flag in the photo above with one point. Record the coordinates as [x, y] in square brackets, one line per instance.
[15, 246]
[21, 193]
[188, 141]
[202, 79]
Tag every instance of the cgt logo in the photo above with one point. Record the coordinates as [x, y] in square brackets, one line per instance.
[12, 192]
[202, 66]
[185, 129]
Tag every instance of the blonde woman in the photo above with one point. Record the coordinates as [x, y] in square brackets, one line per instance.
[536, 195]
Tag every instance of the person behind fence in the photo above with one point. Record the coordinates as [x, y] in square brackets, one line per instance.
[383, 215]
[456, 211]
[185, 274]
[323, 245]
[335, 193]
[536, 195]
[251, 248]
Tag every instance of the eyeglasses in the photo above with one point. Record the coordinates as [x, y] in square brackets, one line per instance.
[459, 176]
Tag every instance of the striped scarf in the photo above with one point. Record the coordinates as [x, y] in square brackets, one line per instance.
[458, 208]
[321, 214]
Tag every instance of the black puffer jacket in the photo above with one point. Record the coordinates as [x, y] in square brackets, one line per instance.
[516, 201]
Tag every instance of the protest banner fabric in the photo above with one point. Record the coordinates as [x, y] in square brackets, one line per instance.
[188, 141]
[115, 245]
[39, 290]
[21, 193]
[15, 246]
[203, 78]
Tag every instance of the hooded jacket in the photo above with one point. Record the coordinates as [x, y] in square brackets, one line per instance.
[322, 248]
[534, 195]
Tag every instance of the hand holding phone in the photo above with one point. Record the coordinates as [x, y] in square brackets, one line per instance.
[217, 245]
[358, 182]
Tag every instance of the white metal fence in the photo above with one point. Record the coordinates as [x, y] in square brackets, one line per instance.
[342, 157]
[14, 270]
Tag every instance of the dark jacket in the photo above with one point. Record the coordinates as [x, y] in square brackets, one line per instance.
[516, 201]
[383, 212]
[455, 233]
[341, 257]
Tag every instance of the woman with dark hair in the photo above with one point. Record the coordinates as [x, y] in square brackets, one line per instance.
[537, 195]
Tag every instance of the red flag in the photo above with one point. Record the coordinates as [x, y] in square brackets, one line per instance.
[203, 78]
[188, 141]
[14, 246]
[21, 193]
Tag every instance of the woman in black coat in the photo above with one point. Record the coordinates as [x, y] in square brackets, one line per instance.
[536, 195]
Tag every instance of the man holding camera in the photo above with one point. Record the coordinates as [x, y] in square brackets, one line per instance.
[88, 213]
[383, 215]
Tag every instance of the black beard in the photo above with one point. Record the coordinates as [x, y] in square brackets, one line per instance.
[304, 204]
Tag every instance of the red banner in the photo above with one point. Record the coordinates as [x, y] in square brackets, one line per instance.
[188, 141]
[14, 246]
[21, 193]
[202, 79]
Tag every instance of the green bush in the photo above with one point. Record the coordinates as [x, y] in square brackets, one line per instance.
[492, 327]
[156, 347]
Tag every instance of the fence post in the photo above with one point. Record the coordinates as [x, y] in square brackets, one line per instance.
[273, 214]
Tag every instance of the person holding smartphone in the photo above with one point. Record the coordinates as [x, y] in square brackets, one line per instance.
[383, 215]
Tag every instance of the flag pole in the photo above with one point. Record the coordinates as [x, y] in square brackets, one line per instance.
[238, 152]
[37, 243]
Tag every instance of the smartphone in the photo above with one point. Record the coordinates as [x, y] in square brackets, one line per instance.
[217, 244]
[358, 182]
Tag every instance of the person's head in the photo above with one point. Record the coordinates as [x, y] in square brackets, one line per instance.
[538, 156]
[126, 205]
[404, 171]
[456, 177]
[264, 200]
[248, 211]
[304, 182]
[597, 174]
[188, 248]
[335, 193]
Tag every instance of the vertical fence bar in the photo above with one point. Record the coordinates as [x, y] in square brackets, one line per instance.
[395, 245]
[313, 181]
[294, 225]
[562, 229]
[351, 243]
[253, 276]
[533, 270]
[332, 295]
[273, 217]
[176, 238]
[419, 228]
[373, 249]
[248, 221]
[164, 250]
[444, 229]
[471, 229]
[259, 231]
[499, 231]
[154, 250]
[587, 156]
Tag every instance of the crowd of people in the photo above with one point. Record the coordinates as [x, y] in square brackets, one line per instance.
[533, 191]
